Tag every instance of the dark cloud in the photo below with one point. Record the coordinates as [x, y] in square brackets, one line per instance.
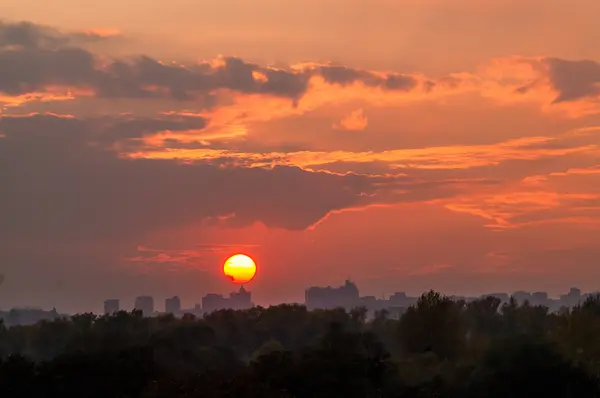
[343, 76]
[31, 70]
[92, 36]
[34, 57]
[63, 182]
[57, 186]
[27, 35]
[103, 130]
[123, 128]
[574, 79]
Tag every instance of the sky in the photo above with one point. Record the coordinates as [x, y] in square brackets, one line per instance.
[407, 145]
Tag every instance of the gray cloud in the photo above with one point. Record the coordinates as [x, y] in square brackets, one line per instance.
[31, 70]
[62, 181]
[103, 130]
[343, 76]
[27, 35]
[57, 186]
[33, 57]
[574, 79]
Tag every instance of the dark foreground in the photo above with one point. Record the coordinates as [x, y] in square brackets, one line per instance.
[439, 348]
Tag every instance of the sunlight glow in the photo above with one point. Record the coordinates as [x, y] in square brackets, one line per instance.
[239, 268]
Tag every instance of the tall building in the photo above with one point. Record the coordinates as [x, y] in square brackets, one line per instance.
[111, 306]
[539, 298]
[572, 298]
[522, 296]
[213, 302]
[345, 296]
[173, 305]
[399, 299]
[241, 300]
[236, 301]
[28, 316]
[145, 304]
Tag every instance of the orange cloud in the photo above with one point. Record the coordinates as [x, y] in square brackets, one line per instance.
[513, 81]
[355, 121]
[253, 92]
[518, 209]
[448, 157]
[50, 94]
[102, 32]
[431, 269]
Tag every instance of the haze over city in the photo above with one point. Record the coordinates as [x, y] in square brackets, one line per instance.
[407, 145]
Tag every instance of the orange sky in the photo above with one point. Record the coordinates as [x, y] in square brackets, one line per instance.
[407, 145]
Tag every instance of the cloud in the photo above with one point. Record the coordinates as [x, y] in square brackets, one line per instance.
[431, 269]
[574, 80]
[429, 158]
[34, 58]
[344, 76]
[193, 258]
[168, 258]
[70, 178]
[220, 247]
[98, 34]
[59, 186]
[355, 121]
[37, 60]
[122, 174]
[100, 130]
[29, 36]
[519, 209]
[102, 198]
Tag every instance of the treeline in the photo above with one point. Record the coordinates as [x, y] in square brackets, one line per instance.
[439, 348]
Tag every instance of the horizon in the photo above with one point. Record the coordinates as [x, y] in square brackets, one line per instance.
[410, 145]
[186, 305]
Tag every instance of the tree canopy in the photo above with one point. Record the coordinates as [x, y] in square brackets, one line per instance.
[438, 348]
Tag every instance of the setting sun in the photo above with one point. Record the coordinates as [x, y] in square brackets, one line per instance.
[239, 268]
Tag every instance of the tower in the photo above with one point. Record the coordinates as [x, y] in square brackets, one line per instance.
[111, 306]
[145, 304]
[173, 305]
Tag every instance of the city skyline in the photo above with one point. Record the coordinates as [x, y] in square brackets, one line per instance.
[299, 297]
[431, 144]
[346, 295]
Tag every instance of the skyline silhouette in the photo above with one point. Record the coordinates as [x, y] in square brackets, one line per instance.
[346, 296]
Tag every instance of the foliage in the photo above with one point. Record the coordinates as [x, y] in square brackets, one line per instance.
[438, 348]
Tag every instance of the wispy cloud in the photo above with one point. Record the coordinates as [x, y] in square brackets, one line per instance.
[355, 121]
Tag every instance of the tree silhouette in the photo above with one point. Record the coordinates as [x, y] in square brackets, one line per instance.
[436, 324]
[438, 348]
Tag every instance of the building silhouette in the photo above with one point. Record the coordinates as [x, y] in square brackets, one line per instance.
[572, 298]
[28, 316]
[236, 301]
[539, 298]
[111, 306]
[241, 300]
[345, 296]
[173, 305]
[145, 304]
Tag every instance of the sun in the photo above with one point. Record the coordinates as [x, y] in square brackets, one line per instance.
[239, 268]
